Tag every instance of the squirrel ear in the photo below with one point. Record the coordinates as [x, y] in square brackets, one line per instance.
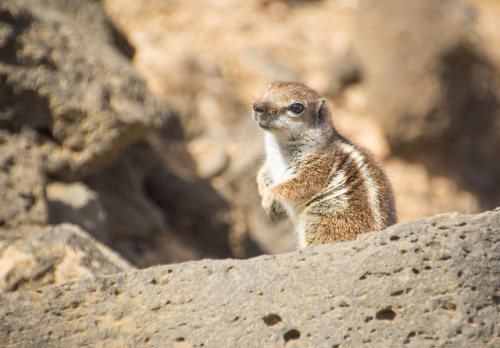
[321, 112]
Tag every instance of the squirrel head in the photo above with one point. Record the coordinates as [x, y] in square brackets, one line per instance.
[291, 110]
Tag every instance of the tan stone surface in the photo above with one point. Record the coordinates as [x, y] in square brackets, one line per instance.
[433, 281]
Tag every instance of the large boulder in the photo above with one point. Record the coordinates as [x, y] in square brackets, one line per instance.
[61, 75]
[71, 105]
[434, 282]
[73, 112]
[432, 84]
[34, 257]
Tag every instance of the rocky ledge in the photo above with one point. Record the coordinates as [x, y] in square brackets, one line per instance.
[432, 282]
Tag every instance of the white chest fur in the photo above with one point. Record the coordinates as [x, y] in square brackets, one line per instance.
[280, 170]
[276, 160]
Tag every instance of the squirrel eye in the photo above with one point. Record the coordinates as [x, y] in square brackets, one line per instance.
[296, 108]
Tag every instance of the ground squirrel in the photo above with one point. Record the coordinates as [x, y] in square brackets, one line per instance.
[331, 188]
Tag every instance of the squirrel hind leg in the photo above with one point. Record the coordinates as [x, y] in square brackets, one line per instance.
[329, 229]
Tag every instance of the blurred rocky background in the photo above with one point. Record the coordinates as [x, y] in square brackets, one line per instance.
[126, 138]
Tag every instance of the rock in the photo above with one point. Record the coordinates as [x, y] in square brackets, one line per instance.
[209, 155]
[76, 203]
[434, 281]
[421, 193]
[196, 212]
[130, 213]
[53, 255]
[22, 181]
[431, 83]
[345, 70]
[73, 108]
[61, 76]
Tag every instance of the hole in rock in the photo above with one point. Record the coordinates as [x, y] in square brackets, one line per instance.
[496, 299]
[448, 305]
[397, 293]
[409, 337]
[394, 238]
[272, 320]
[385, 314]
[291, 335]
[433, 244]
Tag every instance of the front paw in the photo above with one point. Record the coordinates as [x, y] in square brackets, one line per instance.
[273, 208]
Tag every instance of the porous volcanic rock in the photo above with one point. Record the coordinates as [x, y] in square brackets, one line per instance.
[61, 75]
[31, 257]
[22, 181]
[432, 282]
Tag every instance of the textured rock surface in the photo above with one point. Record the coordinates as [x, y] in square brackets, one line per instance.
[432, 282]
[61, 75]
[130, 213]
[22, 181]
[78, 204]
[70, 106]
[33, 257]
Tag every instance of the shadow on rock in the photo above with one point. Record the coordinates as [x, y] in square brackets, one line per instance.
[435, 93]
[196, 213]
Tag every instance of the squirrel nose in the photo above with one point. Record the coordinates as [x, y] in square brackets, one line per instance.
[258, 107]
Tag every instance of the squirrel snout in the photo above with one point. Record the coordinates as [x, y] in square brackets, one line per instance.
[258, 108]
